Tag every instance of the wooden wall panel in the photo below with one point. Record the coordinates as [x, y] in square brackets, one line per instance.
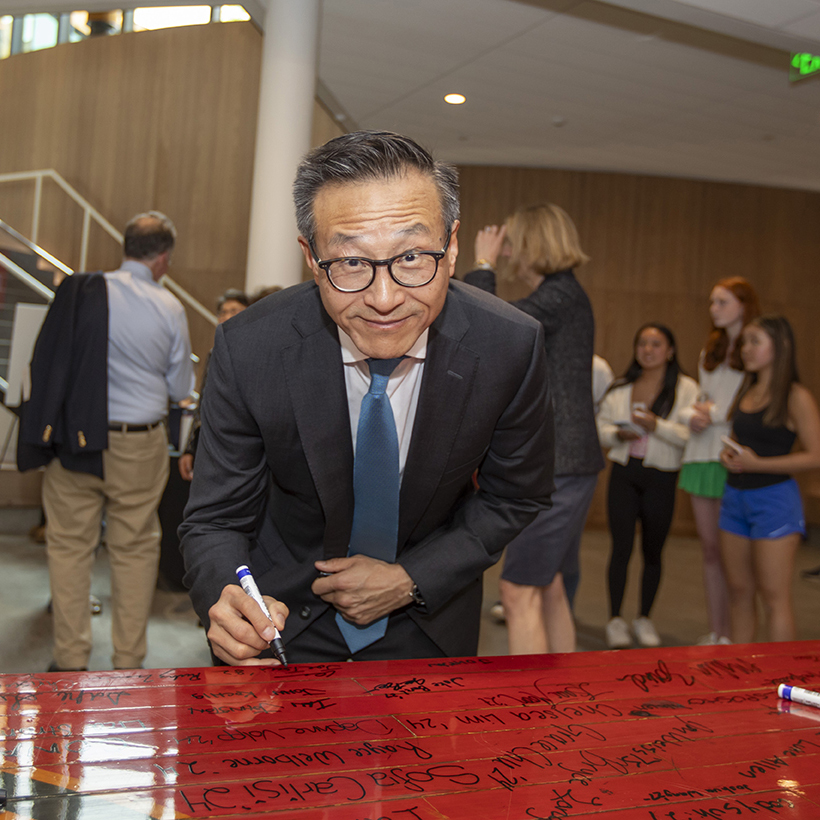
[164, 120]
[657, 247]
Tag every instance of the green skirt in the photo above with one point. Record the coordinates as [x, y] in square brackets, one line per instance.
[704, 478]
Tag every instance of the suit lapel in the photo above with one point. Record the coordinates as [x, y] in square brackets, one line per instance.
[315, 379]
[449, 374]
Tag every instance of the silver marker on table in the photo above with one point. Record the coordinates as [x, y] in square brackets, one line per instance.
[798, 695]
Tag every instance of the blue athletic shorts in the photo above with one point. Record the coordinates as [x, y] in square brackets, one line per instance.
[767, 512]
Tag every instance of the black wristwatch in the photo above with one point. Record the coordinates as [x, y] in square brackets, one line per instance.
[416, 596]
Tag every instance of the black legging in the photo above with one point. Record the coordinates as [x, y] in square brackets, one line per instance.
[638, 492]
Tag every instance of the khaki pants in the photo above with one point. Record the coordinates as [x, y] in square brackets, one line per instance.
[136, 472]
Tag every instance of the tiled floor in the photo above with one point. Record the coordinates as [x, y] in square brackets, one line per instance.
[175, 640]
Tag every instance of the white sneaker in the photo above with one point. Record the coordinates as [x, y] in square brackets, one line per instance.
[645, 632]
[617, 634]
[713, 639]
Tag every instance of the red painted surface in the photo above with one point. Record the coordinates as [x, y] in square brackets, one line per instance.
[677, 734]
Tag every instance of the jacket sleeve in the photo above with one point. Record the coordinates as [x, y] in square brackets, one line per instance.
[228, 490]
[674, 430]
[608, 414]
[541, 304]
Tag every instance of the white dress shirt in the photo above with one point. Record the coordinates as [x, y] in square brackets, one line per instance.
[149, 351]
[402, 389]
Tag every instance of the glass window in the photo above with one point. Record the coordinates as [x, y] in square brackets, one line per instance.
[102, 23]
[169, 16]
[233, 13]
[5, 35]
[39, 31]
[79, 23]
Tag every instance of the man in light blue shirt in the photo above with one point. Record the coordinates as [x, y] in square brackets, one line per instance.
[149, 361]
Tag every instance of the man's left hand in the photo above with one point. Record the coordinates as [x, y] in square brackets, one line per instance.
[361, 588]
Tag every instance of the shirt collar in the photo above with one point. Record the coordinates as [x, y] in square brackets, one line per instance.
[138, 269]
[352, 355]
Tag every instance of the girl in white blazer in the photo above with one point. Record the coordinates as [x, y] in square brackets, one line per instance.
[640, 422]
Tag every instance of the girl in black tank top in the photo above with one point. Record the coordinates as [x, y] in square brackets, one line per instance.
[761, 513]
[750, 430]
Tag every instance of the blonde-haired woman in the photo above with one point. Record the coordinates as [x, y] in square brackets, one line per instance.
[541, 247]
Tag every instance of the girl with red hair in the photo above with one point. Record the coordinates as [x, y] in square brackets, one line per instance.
[732, 303]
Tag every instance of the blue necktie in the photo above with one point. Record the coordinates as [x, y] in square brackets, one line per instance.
[375, 490]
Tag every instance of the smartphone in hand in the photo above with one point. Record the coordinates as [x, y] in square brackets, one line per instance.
[732, 444]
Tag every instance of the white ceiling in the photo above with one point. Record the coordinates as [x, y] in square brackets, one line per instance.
[699, 88]
[689, 88]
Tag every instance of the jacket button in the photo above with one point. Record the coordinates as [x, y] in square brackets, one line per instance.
[304, 612]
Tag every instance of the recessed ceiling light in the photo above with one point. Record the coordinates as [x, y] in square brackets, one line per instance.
[455, 99]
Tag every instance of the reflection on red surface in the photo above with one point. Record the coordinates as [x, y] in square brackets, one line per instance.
[673, 733]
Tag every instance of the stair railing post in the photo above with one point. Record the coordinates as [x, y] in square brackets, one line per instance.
[35, 218]
[84, 243]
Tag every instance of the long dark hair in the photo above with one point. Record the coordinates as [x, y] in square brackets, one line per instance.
[662, 405]
[717, 345]
[784, 370]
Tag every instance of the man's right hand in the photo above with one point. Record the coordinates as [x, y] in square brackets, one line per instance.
[239, 629]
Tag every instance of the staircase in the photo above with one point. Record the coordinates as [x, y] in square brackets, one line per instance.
[12, 291]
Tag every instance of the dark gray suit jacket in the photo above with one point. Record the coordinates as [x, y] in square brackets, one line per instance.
[273, 484]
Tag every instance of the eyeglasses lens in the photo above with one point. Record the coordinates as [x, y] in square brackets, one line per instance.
[412, 270]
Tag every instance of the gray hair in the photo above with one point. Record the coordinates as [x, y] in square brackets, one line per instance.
[148, 235]
[369, 155]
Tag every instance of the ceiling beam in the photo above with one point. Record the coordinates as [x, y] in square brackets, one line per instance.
[682, 12]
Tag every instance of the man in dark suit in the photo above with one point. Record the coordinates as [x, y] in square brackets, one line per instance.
[281, 483]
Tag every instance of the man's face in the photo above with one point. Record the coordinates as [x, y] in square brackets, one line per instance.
[378, 220]
[229, 309]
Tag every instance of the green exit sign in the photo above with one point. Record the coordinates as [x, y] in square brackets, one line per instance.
[804, 65]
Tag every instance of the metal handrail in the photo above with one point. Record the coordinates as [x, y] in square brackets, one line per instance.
[35, 249]
[89, 213]
[26, 278]
[186, 297]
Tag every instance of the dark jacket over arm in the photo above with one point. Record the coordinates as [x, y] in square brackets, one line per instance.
[67, 414]
[273, 483]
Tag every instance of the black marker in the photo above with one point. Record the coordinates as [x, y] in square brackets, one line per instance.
[249, 585]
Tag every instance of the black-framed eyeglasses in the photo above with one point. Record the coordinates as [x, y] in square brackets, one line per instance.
[411, 269]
